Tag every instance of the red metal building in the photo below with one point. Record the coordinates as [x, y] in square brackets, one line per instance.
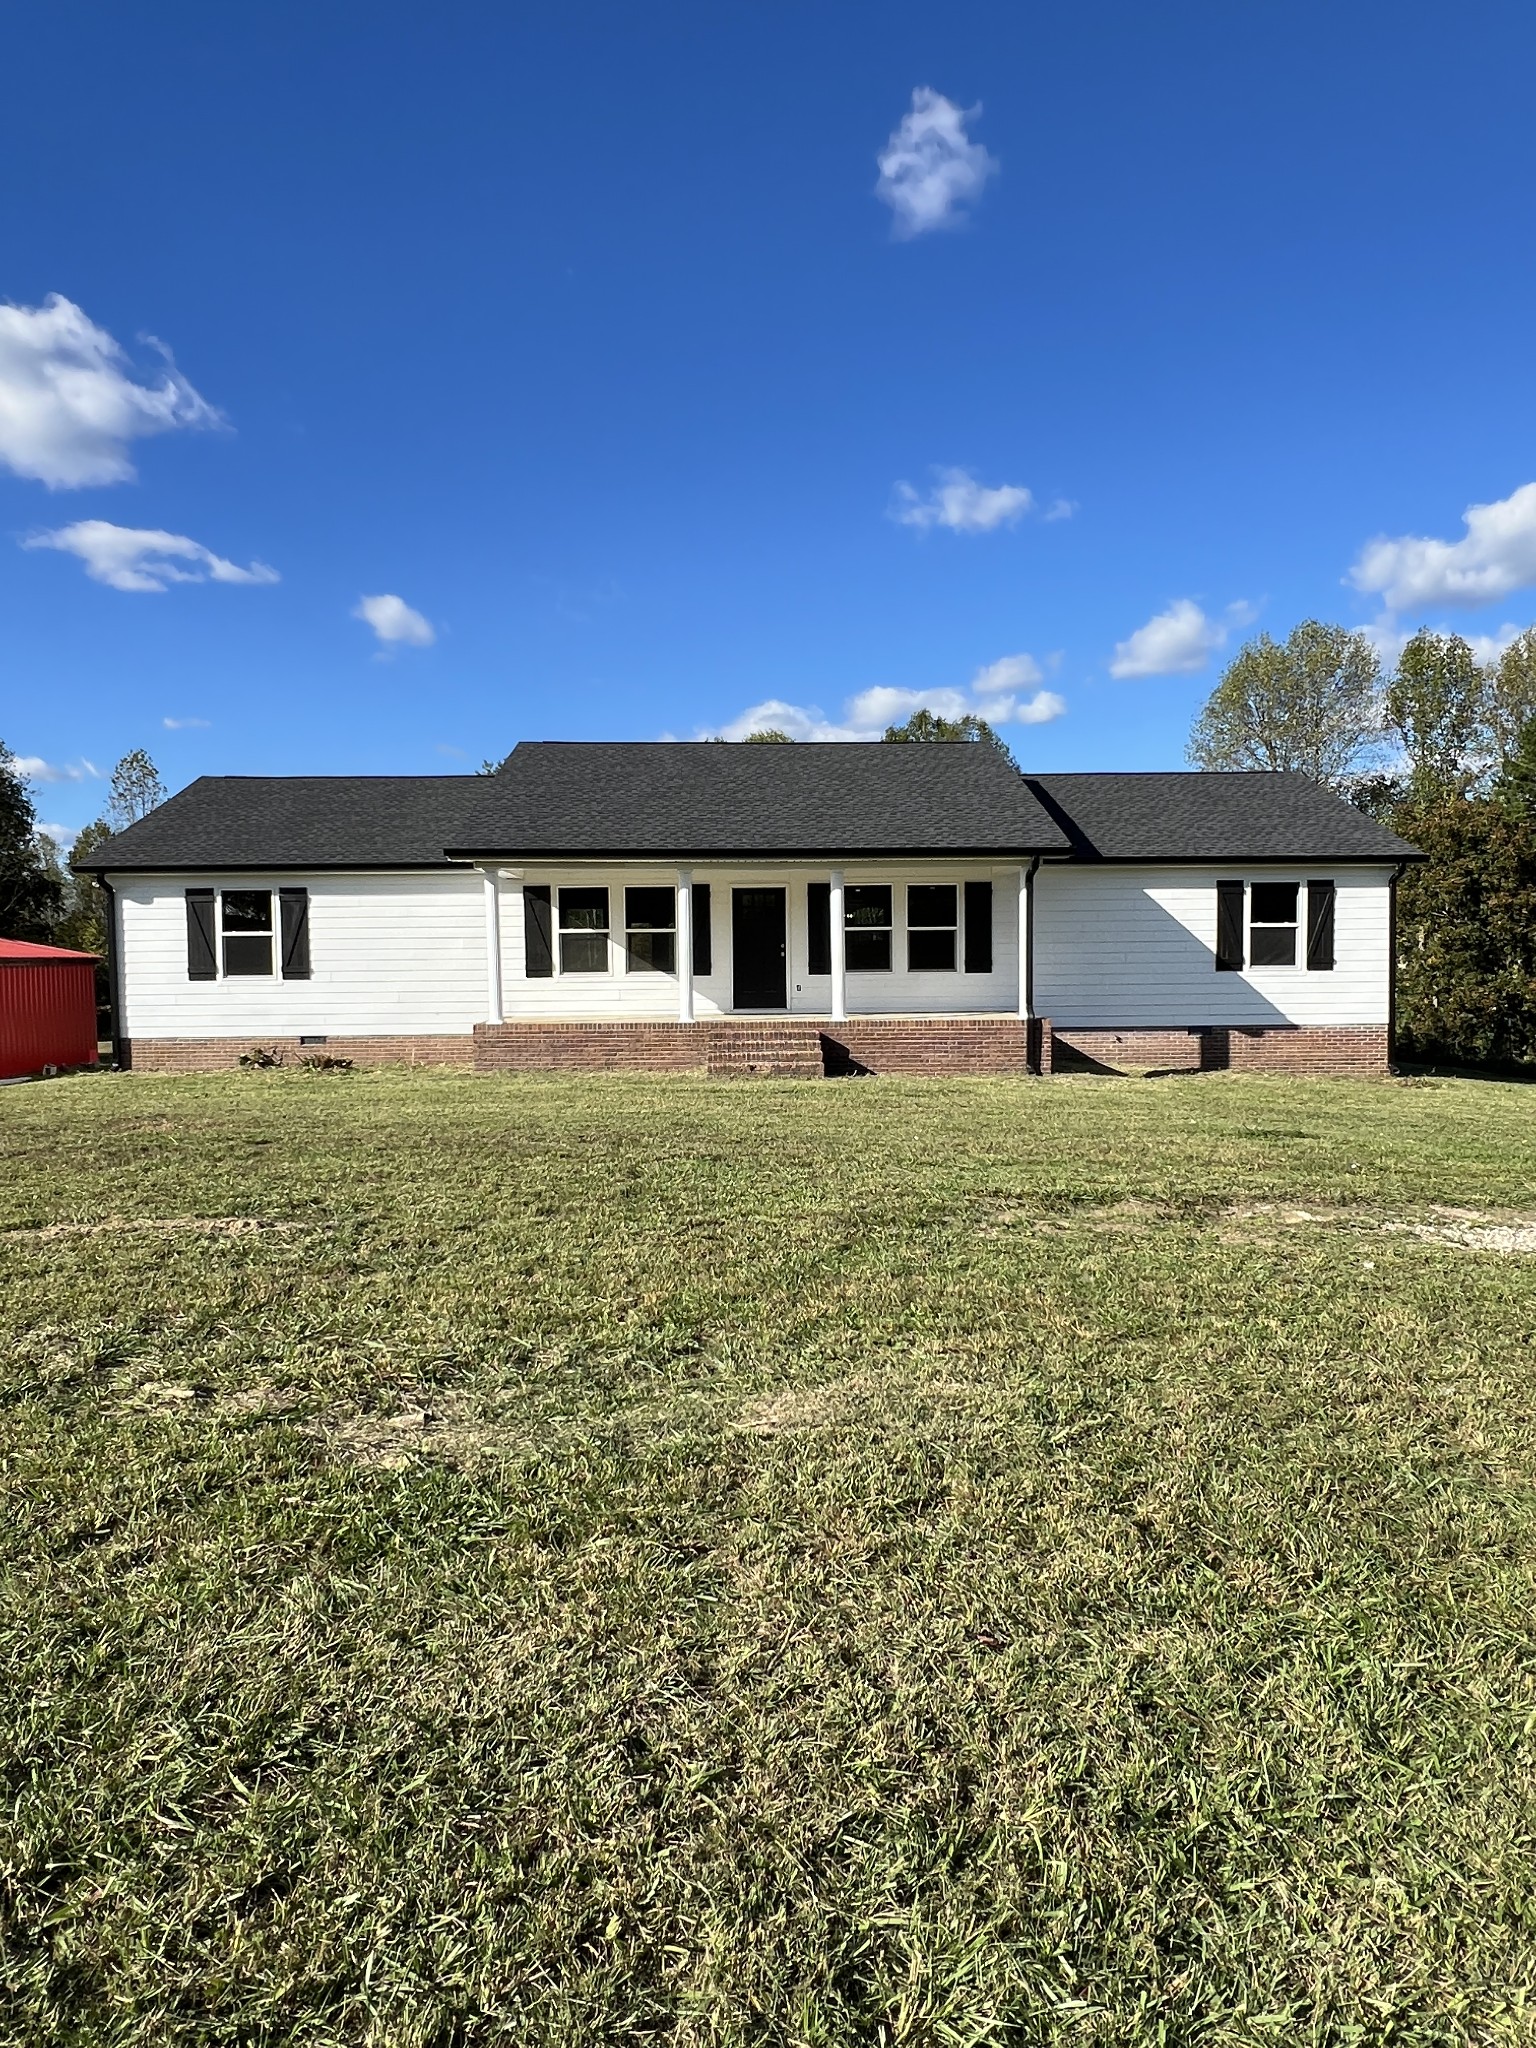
[47, 1008]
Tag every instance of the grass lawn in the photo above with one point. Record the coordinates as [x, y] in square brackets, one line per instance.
[639, 1561]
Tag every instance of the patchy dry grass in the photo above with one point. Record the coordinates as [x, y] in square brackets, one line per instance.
[661, 1562]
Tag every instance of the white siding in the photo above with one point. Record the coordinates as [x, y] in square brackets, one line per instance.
[406, 953]
[1137, 946]
[619, 994]
[389, 953]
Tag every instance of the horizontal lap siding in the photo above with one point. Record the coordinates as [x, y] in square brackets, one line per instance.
[620, 995]
[1135, 947]
[399, 954]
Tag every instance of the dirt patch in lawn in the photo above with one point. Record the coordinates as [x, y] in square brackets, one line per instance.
[205, 1226]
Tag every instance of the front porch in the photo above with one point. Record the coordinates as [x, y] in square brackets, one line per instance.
[633, 942]
[788, 1048]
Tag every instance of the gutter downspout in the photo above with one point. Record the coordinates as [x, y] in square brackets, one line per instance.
[114, 989]
[1029, 937]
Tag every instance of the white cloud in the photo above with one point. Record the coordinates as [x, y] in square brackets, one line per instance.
[63, 836]
[393, 621]
[144, 557]
[1173, 643]
[961, 504]
[992, 695]
[1389, 637]
[1060, 508]
[70, 403]
[183, 724]
[1040, 709]
[1489, 646]
[33, 768]
[1495, 556]
[1012, 672]
[930, 167]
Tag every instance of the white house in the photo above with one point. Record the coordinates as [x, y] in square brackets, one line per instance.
[737, 908]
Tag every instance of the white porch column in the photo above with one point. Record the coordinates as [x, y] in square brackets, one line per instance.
[839, 949]
[492, 946]
[685, 945]
[1025, 877]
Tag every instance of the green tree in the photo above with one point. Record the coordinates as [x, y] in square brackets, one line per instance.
[769, 737]
[1436, 703]
[924, 726]
[1308, 704]
[82, 919]
[1466, 987]
[1517, 777]
[1512, 695]
[135, 790]
[31, 891]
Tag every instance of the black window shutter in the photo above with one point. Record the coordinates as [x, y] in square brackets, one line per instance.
[293, 909]
[1320, 926]
[202, 961]
[1229, 927]
[978, 927]
[538, 954]
[818, 906]
[702, 951]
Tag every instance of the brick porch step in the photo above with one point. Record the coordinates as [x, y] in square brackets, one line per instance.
[765, 1050]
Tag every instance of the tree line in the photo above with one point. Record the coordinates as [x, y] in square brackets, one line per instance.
[41, 898]
[1442, 748]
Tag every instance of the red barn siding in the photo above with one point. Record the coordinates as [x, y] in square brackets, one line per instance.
[47, 1009]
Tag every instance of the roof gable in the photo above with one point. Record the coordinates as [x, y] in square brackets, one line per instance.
[700, 798]
[297, 821]
[1210, 815]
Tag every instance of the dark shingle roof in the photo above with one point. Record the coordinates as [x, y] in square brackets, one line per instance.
[298, 821]
[698, 798]
[1203, 816]
[662, 799]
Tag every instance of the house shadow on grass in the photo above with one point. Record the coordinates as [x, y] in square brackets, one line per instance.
[1210, 1052]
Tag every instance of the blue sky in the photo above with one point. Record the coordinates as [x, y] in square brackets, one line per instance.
[584, 335]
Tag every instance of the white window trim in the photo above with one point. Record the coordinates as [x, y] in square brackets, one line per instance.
[664, 973]
[273, 933]
[954, 928]
[1295, 925]
[889, 928]
[582, 973]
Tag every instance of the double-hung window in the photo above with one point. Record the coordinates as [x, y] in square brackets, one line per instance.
[231, 934]
[1272, 924]
[246, 921]
[932, 922]
[583, 931]
[650, 931]
[867, 921]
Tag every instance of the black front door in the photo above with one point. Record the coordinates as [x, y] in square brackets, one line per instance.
[757, 949]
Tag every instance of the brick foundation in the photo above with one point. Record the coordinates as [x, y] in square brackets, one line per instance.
[1361, 1050]
[561, 1047]
[217, 1055]
[797, 1048]
[932, 1045]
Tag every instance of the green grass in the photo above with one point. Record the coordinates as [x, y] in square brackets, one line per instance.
[669, 1562]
